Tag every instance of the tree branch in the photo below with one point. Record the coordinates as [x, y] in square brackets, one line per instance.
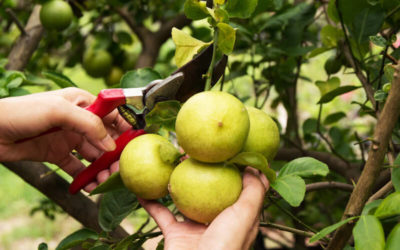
[383, 131]
[179, 22]
[23, 49]
[53, 186]
[287, 229]
[381, 192]
[329, 185]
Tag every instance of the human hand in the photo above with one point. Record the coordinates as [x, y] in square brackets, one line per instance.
[32, 115]
[234, 228]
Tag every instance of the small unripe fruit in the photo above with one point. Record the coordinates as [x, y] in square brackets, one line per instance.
[332, 65]
[97, 63]
[56, 15]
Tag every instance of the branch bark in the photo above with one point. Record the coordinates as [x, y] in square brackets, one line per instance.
[23, 49]
[329, 185]
[382, 135]
[151, 41]
[53, 186]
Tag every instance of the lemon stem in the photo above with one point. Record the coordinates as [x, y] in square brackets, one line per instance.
[211, 68]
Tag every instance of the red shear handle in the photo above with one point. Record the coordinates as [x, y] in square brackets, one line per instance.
[106, 101]
[89, 174]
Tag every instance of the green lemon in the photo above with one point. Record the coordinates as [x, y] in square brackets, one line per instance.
[97, 63]
[201, 191]
[56, 15]
[332, 65]
[146, 164]
[212, 126]
[114, 76]
[263, 134]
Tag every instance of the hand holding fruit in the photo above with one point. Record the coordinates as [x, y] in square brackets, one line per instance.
[234, 228]
[30, 116]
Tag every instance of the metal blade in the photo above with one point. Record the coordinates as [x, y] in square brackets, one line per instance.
[194, 71]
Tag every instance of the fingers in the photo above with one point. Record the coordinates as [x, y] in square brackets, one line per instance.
[70, 117]
[251, 199]
[162, 216]
[240, 218]
[71, 165]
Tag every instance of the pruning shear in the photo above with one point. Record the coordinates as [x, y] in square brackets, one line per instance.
[183, 83]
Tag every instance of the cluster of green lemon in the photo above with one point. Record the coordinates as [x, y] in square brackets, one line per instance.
[211, 127]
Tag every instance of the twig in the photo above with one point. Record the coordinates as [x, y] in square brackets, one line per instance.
[360, 143]
[382, 135]
[381, 192]
[143, 225]
[329, 185]
[287, 229]
[294, 217]
[211, 68]
[391, 58]
[353, 61]
[14, 17]
[331, 148]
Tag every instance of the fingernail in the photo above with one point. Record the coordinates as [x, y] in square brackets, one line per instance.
[108, 143]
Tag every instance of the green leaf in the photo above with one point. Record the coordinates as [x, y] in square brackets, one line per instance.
[124, 38]
[317, 51]
[43, 246]
[113, 182]
[15, 83]
[304, 167]
[101, 247]
[393, 240]
[336, 92]
[332, 11]
[19, 92]
[195, 9]
[221, 15]
[164, 114]
[226, 38]
[331, 35]
[371, 207]
[327, 86]
[240, 8]
[292, 188]
[334, 117]
[59, 79]
[396, 174]
[255, 160]
[186, 46]
[380, 95]
[114, 207]
[389, 72]
[4, 92]
[139, 78]
[390, 206]
[378, 40]
[77, 238]
[327, 230]
[368, 233]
